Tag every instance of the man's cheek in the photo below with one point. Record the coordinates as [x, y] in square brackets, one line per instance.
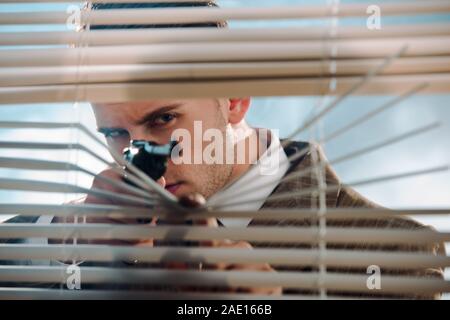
[118, 144]
[176, 173]
[173, 171]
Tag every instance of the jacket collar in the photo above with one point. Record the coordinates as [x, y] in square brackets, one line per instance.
[303, 182]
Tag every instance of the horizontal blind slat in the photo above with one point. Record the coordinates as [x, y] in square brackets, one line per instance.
[98, 1]
[51, 294]
[292, 280]
[26, 76]
[205, 15]
[265, 214]
[127, 92]
[56, 187]
[286, 234]
[187, 35]
[224, 52]
[285, 257]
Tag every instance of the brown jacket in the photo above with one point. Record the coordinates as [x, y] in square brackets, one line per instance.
[343, 197]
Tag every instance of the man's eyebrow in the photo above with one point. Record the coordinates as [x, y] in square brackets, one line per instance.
[152, 115]
[144, 119]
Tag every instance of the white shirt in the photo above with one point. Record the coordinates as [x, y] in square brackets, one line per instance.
[257, 183]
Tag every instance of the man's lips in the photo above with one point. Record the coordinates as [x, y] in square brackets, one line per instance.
[172, 188]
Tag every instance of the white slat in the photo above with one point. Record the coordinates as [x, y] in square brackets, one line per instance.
[292, 280]
[285, 257]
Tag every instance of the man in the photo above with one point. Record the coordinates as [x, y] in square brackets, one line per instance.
[220, 184]
[155, 121]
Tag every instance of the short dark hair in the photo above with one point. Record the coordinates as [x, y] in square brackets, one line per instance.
[112, 6]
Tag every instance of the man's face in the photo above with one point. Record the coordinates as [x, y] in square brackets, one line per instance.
[155, 121]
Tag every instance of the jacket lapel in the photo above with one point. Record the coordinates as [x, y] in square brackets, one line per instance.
[303, 182]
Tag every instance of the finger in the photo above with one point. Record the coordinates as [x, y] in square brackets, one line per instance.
[192, 201]
[250, 267]
[222, 266]
[275, 291]
[101, 184]
[209, 223]
[112, 181]
[162, 182]
[265, 267]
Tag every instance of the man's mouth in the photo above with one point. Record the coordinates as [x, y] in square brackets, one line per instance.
[172, 188]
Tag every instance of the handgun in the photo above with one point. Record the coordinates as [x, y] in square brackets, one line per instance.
[149, 156]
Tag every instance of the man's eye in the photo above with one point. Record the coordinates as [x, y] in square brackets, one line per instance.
[116, 134]
[164, 119]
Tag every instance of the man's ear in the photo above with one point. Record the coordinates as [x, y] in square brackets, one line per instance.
[237, 109]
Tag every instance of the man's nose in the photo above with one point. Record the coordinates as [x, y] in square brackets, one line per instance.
[142, 134]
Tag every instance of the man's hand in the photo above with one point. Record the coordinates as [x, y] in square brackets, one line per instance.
[101, 184]
[241, 267]
[194, 200]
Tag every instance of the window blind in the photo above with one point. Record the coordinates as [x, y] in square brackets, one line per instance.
[318, 252]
